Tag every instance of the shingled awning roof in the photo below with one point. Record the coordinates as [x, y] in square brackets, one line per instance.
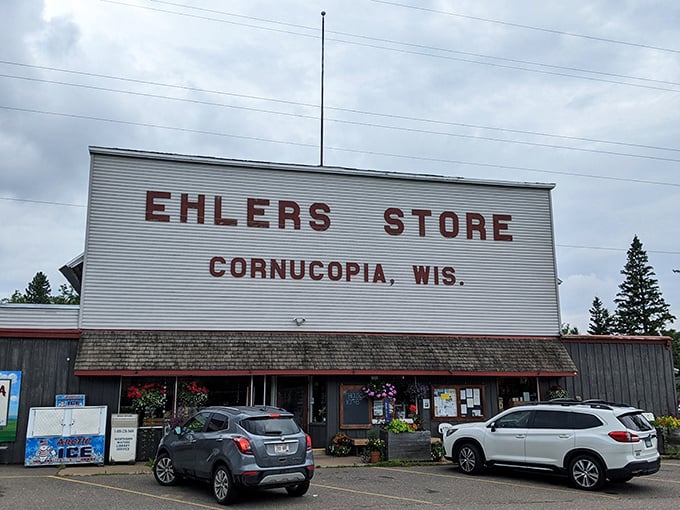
[237, 353]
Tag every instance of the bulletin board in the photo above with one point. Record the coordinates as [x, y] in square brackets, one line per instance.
[461, 402]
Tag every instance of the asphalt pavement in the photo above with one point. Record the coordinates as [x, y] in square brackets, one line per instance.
[321, 460]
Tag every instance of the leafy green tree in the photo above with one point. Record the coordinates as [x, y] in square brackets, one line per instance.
[600, 320]
[17, 297]
[67, 296]
[568, 330]
[640, 307]
[38, 290]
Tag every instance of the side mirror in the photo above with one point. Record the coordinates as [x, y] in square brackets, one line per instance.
[492, 426]
[178, 430]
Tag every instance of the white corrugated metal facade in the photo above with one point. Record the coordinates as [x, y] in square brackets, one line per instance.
[155, 275]
[32, 316]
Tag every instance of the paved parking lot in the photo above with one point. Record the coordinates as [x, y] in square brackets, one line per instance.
[342, 488]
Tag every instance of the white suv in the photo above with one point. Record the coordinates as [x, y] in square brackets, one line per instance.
[591, 441]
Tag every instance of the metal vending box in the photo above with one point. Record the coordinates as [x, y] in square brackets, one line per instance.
[123, 438]
[65, 435]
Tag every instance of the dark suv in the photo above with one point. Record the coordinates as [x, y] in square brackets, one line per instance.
[237, 448]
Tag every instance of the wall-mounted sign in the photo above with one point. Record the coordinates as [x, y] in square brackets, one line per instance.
[227, 243]
[10, 385]
[70, 401]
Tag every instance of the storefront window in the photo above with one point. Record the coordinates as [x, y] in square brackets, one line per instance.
[513, 391]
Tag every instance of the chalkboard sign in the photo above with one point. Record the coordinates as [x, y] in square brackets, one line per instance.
[355, 411]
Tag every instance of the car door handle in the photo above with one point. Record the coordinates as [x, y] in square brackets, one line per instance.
[564, 436]
[521, 436]
[219, 439]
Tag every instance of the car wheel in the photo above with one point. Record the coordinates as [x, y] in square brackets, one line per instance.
[164, 470]
[298, 490]
[469, 459]
[223, 486]
[586, 472]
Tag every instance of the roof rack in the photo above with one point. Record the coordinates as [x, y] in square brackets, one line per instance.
[593, 403]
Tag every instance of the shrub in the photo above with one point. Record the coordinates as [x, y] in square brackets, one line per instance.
[437, 451]
[398, 426]
[340, 445]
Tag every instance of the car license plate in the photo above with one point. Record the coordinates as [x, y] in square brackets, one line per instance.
[648, 442]
[281, 448]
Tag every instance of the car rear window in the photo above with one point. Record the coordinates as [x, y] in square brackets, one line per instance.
[635, 421]
[268, 426]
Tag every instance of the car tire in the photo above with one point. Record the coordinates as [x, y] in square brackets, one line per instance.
[164, 470]
[298, 490]
[586, 473]
[223, 486]
[469, 458]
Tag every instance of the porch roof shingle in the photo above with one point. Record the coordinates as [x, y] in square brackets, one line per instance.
[122, 352]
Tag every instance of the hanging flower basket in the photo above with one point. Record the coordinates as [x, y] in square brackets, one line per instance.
[147, 399]
[191, 395]
[379, 390]
[556, 391]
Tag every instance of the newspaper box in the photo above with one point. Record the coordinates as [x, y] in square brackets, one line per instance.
[123, 438]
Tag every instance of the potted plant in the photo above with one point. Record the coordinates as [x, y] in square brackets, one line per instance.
[375, 447]
[340, 445]
[437, 451]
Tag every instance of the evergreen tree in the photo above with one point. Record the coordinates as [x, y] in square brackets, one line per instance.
[38, 290]
[600, 320]
[640, 307]
[67, 296]
[675, 343]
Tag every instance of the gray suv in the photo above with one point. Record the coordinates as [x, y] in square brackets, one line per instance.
[235, 448]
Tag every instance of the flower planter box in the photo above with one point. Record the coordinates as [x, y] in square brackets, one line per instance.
[667, 445]
[407, 445]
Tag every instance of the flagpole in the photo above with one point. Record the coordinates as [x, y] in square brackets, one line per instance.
[323, 37]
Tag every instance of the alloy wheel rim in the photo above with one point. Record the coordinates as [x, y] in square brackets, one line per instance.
[165, 470]
[466, 459]
[586, 473]
[221, 484]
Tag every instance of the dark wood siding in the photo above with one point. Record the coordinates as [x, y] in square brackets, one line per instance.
[638, 372]
[46, 366]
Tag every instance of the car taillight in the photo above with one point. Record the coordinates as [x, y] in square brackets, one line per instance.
[309, 442]
[623, 436]
[243, 445]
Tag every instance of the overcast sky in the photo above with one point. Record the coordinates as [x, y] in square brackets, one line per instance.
[585, 95]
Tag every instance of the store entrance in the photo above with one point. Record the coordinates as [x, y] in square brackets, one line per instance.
[513, 391]
[292, 395]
